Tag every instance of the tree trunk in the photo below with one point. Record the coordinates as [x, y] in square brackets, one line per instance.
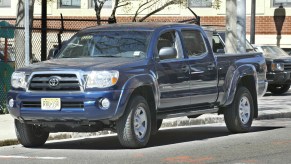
[98, 8]
[19, 33]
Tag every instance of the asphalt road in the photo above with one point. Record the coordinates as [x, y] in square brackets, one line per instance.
[268, 142]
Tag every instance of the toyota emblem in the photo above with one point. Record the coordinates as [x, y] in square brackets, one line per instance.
[54, 81]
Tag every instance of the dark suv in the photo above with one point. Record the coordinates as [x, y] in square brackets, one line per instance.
[279, 68]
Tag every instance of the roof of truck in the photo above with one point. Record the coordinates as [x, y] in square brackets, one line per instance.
[148, 26]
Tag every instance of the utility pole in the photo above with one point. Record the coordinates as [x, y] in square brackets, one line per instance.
[26, 29]
[43, 30]
[253, 22]
[235, 40]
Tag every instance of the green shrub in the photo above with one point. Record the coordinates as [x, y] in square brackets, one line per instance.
[3, 109]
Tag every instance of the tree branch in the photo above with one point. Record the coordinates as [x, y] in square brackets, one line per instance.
[158, 9]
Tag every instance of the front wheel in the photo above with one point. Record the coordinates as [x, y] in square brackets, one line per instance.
[134, 127]
[278, 88]
[30, 135]
[239, 114]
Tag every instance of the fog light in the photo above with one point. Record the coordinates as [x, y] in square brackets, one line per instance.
[104, 103]
[11, 103]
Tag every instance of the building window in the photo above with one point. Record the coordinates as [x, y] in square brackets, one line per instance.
[5, 3]
[285, 3]
[70, 3]
[200, 3]
[107, 4]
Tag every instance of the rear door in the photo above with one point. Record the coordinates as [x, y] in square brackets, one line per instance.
[173, 77]
[202, 68]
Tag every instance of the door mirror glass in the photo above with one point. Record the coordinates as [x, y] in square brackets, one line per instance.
[167, 53]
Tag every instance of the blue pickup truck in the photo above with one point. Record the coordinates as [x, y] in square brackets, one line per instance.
[128, 78]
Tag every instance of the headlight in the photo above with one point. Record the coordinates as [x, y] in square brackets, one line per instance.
[18, 80]
[102, 79]
[277, 67]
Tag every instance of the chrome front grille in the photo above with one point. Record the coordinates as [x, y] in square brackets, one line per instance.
[54, 82]
[287, 67]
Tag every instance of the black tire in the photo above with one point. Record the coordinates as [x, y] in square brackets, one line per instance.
[243, 102]
[159, 123]
[30, 135]
[278, 88]
[125, 124]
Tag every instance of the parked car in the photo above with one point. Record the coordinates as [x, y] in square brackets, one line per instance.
[279, 68]
[278, 78]
[128, 78]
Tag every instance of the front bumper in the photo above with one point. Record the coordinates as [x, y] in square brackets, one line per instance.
[76, 107]
[278, 77]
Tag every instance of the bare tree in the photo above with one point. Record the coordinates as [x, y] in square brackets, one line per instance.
[155, 6]
[98, 5]
[144, 6]
[117, 4]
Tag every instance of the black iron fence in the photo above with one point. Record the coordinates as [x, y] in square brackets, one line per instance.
[15, 46]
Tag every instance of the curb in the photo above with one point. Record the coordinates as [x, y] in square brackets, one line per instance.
[272, 114]
[185, 121]
[214, 118]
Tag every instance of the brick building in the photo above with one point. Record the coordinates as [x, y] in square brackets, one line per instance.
[266, 22]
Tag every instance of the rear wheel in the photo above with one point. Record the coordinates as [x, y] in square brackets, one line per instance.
[278, 88]
[134, 127]
[239, 114]
[30, 135]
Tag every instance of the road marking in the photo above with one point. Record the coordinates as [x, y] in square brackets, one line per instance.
[282, 142]
[27, 157]
[138, 155]
[250, 161]
[187, 159]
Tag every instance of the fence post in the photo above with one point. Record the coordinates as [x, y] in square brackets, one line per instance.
[43, 30]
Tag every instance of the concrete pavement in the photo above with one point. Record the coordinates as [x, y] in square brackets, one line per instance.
[270, 107]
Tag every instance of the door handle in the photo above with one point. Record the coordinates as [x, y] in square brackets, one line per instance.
[197, 72]
[210, 66]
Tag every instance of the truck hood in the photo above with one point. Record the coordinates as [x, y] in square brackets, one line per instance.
[280, 60]
[84, 64]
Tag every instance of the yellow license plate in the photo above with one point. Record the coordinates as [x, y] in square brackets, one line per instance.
[50, 103]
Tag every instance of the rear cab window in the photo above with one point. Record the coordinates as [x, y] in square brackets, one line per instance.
[194, 43]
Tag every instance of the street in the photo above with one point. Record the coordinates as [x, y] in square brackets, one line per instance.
[268, 142]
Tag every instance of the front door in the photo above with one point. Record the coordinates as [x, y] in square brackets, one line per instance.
[172, 73]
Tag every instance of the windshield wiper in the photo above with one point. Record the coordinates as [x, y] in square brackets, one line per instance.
[109, 56]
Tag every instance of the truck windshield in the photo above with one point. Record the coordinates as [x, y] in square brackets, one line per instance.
[125, 44]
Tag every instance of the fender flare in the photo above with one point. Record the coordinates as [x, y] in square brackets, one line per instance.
[233, 77]
[129, 87]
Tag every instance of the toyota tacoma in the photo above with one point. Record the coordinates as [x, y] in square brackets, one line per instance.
[128, 78]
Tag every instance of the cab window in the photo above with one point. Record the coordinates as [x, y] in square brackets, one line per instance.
[194, 43]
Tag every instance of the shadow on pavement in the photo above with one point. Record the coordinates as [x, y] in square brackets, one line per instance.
[163, 137]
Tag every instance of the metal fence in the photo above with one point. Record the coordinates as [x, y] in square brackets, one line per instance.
[16, 56]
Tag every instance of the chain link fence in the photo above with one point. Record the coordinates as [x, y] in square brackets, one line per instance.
[16, 46]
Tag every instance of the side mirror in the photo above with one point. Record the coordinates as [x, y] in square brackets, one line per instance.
[167, 53]
[52, 53]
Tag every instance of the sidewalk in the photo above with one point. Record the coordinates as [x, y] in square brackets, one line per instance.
[7, 125]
